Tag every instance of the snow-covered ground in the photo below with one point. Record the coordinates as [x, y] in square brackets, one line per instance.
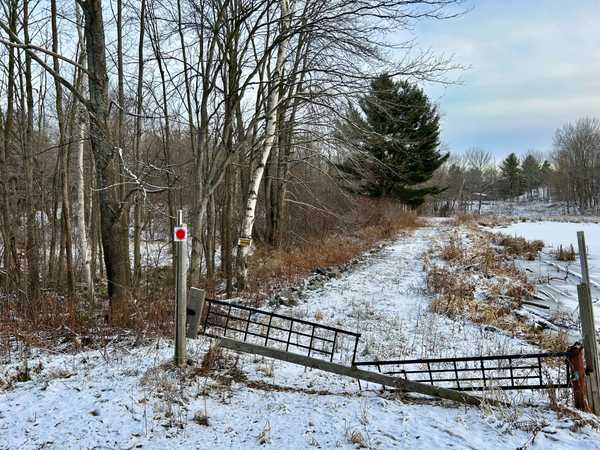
[551, 274]
[130, 397]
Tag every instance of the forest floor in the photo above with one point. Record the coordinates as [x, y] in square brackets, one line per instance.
[128, 395]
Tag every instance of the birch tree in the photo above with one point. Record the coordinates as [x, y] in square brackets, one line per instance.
[269, 140]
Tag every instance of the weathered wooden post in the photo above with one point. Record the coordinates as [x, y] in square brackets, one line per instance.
[583, 260]
[588, 329]
[194, 311]
[180, 238]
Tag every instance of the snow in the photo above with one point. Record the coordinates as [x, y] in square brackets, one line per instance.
[123, 396]
[554, 234]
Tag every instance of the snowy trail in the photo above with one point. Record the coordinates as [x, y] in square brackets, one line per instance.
[129, 398]
[385, 300]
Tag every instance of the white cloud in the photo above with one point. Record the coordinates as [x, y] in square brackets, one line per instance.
[532, 66]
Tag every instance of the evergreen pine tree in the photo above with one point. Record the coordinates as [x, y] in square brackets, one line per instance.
[511, 176]
[532, 174]
[398, 142]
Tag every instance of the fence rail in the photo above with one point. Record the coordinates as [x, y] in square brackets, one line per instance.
[269, 329]
[478, 373]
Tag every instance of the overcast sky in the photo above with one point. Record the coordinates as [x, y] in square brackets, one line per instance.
[532, 65]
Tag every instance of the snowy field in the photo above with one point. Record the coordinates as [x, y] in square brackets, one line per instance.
[555, 234]
[125, 397]
[559, 279]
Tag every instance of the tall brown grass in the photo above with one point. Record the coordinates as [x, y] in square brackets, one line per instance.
[565, 254]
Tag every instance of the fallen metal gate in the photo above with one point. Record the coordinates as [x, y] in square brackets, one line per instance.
[479, 373]
[313, 340]
[268, 329]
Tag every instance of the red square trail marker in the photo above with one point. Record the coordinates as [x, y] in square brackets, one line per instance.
[180, 234]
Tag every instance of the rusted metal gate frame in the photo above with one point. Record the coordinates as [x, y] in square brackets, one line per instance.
[222, 319]
[235, 315]
[487, 378]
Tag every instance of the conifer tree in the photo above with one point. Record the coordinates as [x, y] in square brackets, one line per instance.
[532, 174]
[397, 142]
[511, 176]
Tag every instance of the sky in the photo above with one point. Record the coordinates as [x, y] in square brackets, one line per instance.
[530, 66]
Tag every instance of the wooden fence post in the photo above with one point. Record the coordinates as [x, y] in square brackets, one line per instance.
[194, 311]
[180, 237]
[583, 259]
[588, 330]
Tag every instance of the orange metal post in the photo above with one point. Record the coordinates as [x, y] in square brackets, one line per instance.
[577, 364]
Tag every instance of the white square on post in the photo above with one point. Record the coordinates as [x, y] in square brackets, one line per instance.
[180, 234]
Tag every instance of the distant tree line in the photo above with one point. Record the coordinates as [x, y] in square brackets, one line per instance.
[569, 174]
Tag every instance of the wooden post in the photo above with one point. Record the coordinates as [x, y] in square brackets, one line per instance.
[588, 330]
[194, 311]
[583, 260]
[180, 289]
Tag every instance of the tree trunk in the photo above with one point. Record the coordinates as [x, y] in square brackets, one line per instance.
[271, 125]
[137, 213]
[31, 245]
[64, 148]
[82, 236]
[116, 254]
[11, 260]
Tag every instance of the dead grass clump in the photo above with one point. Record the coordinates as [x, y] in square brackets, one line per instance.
[500, 284]
[441, 281]
[520, 291]
[372, 223]
[201, 418]
[453, 250]
[565, 254]
[554, 342]
[518, 246]
[212, 359]
[358, 439]
[467, 307]
[465, 218]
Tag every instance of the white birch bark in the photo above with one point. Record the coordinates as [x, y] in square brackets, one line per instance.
[82, 237]
[271, 128]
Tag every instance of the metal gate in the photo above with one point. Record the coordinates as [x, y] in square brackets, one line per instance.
[246, 324]
[310, 339]
[479, 373]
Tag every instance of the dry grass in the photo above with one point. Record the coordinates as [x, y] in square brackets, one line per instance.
[565, 254]
[212, 359]
[518, 246]
[357, 438]
[201, 418]
[75, 322]
[453, 250]
[505, 286]
[465, 218]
